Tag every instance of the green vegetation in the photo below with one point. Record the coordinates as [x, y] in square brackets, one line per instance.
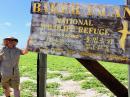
[77, 76]
[91, 83]
[28, 88]
[52, 88]
[54, 75]
[28, 67]
[76, 72]
[69, 94]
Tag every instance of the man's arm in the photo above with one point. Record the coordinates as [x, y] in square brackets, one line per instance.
[1, 53]
[25, 51]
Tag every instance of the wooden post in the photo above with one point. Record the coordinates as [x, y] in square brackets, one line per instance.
[105, 77]
[41, 73]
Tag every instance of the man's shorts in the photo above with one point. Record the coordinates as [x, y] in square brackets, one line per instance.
[10, 81]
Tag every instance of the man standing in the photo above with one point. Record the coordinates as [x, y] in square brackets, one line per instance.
[9, 59]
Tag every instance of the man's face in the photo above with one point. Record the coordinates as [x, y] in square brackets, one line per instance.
[10, 43]
[14, 43]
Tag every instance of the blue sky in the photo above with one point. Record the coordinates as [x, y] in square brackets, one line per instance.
[15, 17]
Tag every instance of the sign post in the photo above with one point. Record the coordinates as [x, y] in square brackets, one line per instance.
[41, 73]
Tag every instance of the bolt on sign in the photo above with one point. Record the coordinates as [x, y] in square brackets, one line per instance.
[86, 31]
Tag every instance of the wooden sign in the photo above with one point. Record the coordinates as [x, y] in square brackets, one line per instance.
[96, 32]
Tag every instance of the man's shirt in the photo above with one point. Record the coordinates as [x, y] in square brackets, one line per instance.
[9, 59]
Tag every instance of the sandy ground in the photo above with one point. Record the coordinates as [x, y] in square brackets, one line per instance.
[73, 87]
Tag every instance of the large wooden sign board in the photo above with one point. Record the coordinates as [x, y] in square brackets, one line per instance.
[81, 31]
[88, 25]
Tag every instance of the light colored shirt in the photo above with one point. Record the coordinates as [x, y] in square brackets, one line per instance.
[9, 59]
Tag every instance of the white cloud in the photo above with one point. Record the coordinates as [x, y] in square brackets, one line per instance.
[28, 24]
[7, 24]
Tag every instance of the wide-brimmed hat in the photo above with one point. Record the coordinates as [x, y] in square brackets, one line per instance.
[12, 38]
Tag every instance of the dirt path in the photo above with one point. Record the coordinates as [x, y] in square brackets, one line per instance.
[71, 86]
[74, 87]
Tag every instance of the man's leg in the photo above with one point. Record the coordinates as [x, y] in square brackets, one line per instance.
[15, 81]
[16, 92]
[6, 90]
[6, 86]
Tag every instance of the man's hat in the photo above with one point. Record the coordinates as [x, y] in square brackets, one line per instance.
[12, 38]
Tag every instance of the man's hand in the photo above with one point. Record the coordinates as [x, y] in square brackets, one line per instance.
[25, 51]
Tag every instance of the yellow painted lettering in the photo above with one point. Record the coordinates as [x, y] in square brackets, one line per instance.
[117, 10]
[53, 8]
[36, 7]
[46, 7]
[127, 9]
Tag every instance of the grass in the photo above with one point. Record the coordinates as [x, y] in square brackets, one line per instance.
[91, 83]
[96, 85]
[28, 65]
[77, 76]
[120, 71]
[28, 88]
[52, 88]
[69, 94]
[64, 64]
[53, 75]
[28, 85]
[77, 72]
